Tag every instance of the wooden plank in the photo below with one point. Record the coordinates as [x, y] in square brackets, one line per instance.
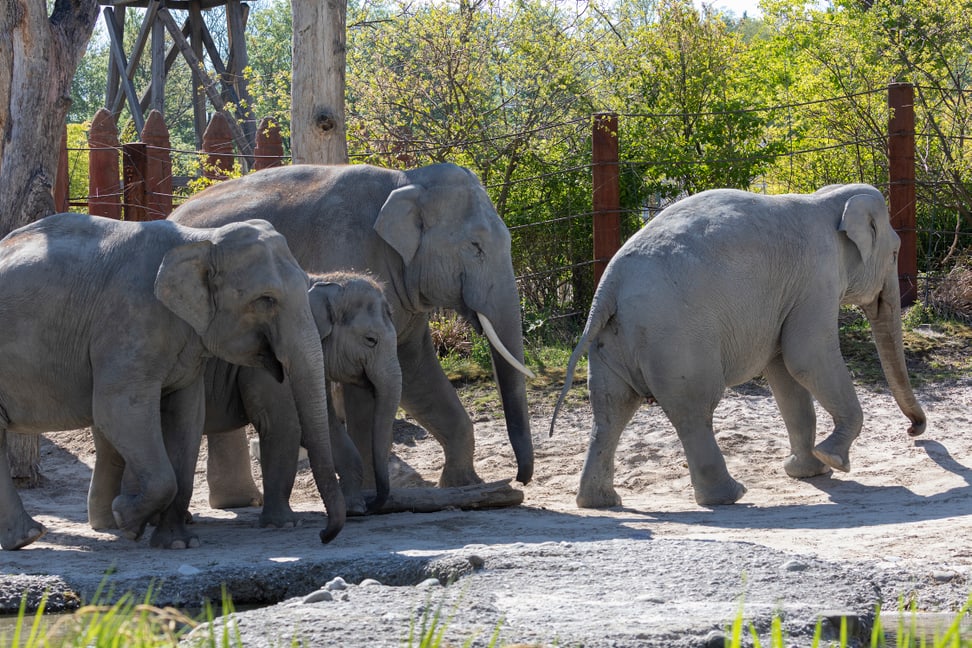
[114, 74]
[199, 116]
[170, 58]
[137, 50]
[116, 45]
[156, 91]
[207, 82]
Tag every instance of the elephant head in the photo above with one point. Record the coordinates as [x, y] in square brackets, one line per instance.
[360, 348]
[869, 256]
[456, 253]
[245, 295]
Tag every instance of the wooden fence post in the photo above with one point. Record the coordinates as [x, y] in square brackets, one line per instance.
[901, 184]
[104, 190]
[269, 145]
[158, 167]
[218, 145]
[134, 171]
[607, 191]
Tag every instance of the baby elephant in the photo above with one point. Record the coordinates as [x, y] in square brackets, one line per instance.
[721, 287]
[359, 347]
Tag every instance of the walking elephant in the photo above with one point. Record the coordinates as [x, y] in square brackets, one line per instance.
[433, 238]
[727, 284]
[109, 324]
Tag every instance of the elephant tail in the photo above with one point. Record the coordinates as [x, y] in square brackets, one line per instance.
[602, 311]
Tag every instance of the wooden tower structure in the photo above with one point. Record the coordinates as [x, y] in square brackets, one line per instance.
[217, 84]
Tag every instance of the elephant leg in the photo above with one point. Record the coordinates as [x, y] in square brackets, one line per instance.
[17, 529]
[429, 397]
[106, 481]
[613, 403]
[348, 453]
[269, 406]
[796, 407]
[131, 423]
[279, 448]
[183, 416]
[814, 360]
[228, 471]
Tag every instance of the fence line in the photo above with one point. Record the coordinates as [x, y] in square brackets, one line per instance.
[562, 273]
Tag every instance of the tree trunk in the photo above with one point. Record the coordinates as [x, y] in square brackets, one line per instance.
[38, 56]
[318, 134]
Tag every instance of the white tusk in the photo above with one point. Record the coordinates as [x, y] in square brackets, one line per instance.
[502, 350]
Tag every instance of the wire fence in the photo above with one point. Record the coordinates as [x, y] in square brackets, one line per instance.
[548, 205]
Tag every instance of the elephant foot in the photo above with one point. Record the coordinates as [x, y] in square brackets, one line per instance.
[102, 520]
[728, 491]
[286, 519]
[21, 533]
[229, 499]
[597, 498]
[356, 504]
[172, 539]
[806, 466]
[130, 527]
[454, 476]
[833, 453]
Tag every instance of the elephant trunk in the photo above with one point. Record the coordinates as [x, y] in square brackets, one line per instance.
[505, 332]
[884, 315]
[306, 374]
[387, 382]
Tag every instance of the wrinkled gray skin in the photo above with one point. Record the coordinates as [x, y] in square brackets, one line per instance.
[358, 342]
[359, 345]
[148, 304]
[432, 237]
[726, 285]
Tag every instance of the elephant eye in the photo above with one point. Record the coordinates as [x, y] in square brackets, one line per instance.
[371, 341]
[265, 303]
[479, 249]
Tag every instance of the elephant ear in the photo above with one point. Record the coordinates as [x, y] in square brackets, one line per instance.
[183, 284]
[322, 296]
[400, 221]
[859, 221]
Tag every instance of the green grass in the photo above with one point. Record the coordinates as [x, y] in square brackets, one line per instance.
[127, 623]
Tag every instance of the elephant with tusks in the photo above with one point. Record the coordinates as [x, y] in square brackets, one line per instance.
[434, 240]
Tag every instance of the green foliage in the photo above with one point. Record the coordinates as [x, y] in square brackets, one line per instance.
[126, 623]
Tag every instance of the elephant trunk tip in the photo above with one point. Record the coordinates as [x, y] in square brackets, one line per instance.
[525, 473]
[334, 526]
[917, 427]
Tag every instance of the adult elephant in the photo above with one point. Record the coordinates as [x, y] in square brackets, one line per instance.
[109, 324]
[725, 285]
[433, 238]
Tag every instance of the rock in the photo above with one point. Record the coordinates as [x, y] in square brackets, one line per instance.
[336, 583]
[429, 583]
[794, 565]
[188, 570]
[715, 639]
[318, 596]
[369, 582]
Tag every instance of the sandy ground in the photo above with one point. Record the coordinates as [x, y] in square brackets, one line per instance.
[906, 505]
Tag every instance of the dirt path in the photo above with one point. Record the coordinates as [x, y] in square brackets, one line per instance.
[905, 507]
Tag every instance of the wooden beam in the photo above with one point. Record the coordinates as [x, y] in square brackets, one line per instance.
[117, 42]
[170, 58]
[179, 5]
[114, 74]
[498, 494]
[208, 85]
[137, 50]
